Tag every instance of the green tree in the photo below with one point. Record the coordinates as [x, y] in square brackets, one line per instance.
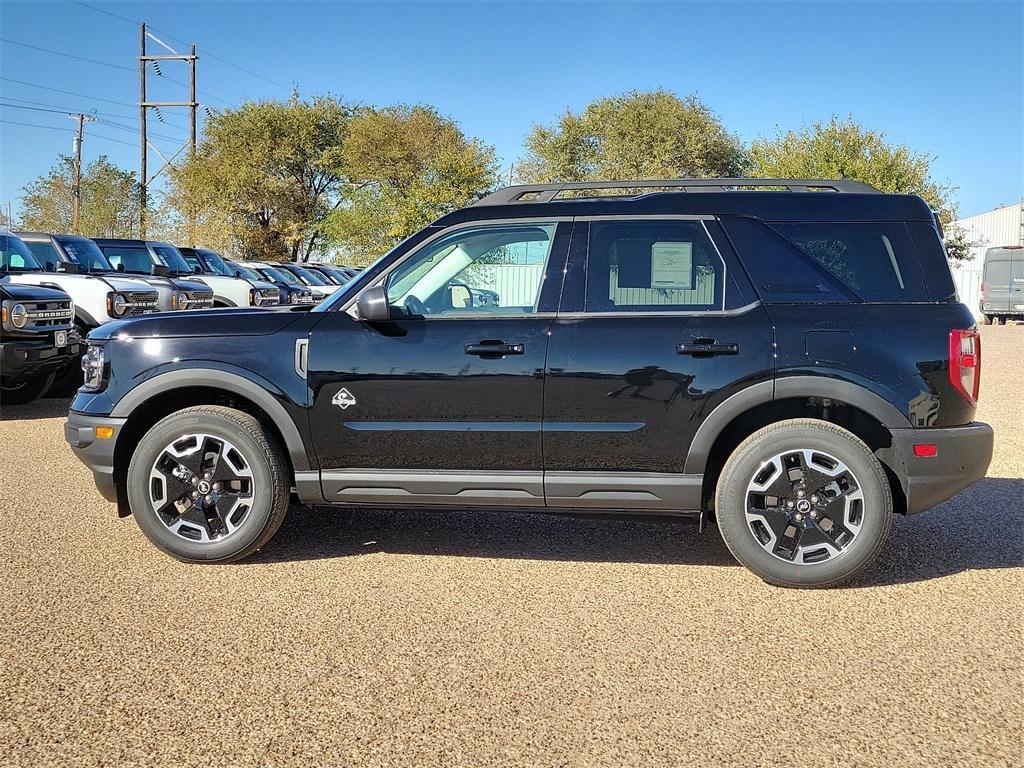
[110, 200]
[635, 135]
[845, 149]
[266, 176]
[406, 165]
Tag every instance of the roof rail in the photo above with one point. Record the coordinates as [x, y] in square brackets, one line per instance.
[544, 193]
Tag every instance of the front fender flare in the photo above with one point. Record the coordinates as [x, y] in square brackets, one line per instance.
[244, 384]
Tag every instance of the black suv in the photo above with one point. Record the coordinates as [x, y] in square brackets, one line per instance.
[38, 341]
[792, 362]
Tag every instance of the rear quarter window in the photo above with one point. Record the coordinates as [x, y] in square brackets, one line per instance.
[874, 260]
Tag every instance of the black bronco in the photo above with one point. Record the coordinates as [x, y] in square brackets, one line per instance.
[38, 340]
[786, 357]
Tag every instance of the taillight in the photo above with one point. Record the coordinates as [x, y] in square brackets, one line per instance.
[965, 363]
[984, 291]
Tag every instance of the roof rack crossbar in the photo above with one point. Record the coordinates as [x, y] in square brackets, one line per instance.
[545, 193]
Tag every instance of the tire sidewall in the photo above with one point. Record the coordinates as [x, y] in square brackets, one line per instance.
[146, 453]
[731, 507]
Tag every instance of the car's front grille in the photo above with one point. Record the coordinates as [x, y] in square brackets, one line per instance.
[197, 299]
[48, 314]
[141, 302]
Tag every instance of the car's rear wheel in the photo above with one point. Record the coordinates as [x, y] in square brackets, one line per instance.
[1002, 320]
[207, 484]
[804, 503]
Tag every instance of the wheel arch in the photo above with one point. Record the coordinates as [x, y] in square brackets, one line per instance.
[168, 392]
[849, 405]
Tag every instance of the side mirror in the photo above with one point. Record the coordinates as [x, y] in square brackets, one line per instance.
[459, 296]
[238, 273]
[64, 266]
[120, 267]
[372, 305]
[160, 270]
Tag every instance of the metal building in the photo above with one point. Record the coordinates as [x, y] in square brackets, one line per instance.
[1001, 226]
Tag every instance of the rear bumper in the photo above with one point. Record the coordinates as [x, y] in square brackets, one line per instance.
[96, 453]
[962, 458]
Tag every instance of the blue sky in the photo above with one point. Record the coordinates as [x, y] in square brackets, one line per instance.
[946, 78]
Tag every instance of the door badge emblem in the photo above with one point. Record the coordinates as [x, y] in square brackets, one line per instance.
[343, 399]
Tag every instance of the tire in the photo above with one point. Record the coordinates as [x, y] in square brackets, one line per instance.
[34, 387]
[1002, 320]
[986, 319]
[235, 524]
[767, 472]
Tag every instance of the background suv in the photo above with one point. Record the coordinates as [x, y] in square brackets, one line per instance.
[229, 288]
[162, 267]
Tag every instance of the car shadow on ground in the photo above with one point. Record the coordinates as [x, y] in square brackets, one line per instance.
[44, 408]
[980, 529]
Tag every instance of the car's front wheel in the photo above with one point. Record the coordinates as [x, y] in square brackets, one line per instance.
[30, 389]
[986, 319]
[804, 503]
[207, 484]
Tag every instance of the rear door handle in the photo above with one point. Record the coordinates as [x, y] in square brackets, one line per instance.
[494, 349]
[707, 348]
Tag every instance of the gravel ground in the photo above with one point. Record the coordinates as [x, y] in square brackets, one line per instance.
[460, 638]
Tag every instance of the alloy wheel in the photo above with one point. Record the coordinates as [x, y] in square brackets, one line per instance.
[804, 506]
[201, 487]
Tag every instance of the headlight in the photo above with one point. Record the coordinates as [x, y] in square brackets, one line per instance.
[293, 298]
[93, 365]
[252, 297]
[117, 304]
[19, 315]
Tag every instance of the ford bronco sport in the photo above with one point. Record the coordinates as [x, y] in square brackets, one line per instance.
[790, 361]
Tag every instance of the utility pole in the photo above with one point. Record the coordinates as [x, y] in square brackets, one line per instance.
[76, 213]
[144, 146]
[143, 137]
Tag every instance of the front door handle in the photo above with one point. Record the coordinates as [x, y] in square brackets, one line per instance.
[488, 348]
[707, 348]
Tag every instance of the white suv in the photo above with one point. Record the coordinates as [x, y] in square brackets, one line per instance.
[229, 288]
[76, 266]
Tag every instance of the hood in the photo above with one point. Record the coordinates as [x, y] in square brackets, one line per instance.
[26, 292]
[214, 280]
[244, 321]
[120, 283]
[188, 284]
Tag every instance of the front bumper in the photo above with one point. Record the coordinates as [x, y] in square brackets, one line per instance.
[95, 452]
[21, 358]
[962, 457]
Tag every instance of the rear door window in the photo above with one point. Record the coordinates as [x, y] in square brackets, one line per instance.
[875, 260]
[653, 266]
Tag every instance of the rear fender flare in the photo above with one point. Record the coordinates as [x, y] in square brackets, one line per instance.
[734, 406]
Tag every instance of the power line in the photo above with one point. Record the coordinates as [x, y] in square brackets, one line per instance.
[111, 123]
[204, 51]
[69, 93]
[72, 130]
[66, 55]
[60, 108]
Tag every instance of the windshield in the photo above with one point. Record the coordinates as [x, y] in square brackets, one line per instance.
[15, 255]
[280, 275]
[247, 273]
[308, 276]
[171, 258]
[339, 277]
[216, 263]
[86, 254]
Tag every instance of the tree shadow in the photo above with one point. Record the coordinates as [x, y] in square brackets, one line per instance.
[980, 529]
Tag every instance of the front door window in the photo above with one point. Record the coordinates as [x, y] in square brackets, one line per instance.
[496, 270]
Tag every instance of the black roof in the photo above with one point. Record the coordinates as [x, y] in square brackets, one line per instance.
[785, 200]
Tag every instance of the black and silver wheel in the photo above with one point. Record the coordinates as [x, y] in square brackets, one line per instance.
[207, 485]
[804, 503]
